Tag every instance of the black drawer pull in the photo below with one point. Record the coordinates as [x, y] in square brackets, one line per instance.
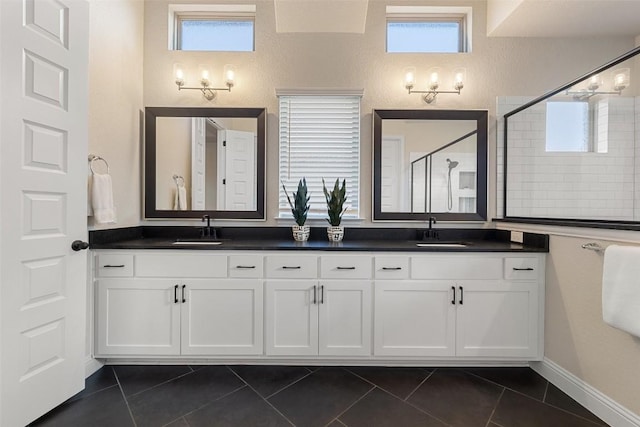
[391, 268]
[175, 294]
[113, 266]
[345, 268]
[245, 266]
[183, 298]
[522, 269]
[453, 300]
[461, 295]
[286, 267]
[321, 294]
[315, 294]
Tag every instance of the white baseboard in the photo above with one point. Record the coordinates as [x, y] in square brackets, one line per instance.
[91, 365]
[595, 401]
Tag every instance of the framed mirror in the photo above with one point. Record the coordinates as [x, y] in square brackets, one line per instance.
[205, 161]
[429, 163]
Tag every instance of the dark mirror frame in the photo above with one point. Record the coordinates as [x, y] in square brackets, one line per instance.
[152, 113]
[481, 118]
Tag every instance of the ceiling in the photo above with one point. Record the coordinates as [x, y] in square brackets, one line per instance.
[563, 18]
[505, 18]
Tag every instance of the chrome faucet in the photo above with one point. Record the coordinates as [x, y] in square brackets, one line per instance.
[430, 233]
[208, 231]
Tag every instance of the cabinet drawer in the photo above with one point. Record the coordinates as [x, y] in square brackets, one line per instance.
[345, 267]
[114, 265]
[292, 267]
[392, 267]
[181, 265]
[458, 267]
[249, 266]
[520, 268]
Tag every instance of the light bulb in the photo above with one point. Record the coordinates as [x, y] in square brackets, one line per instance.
[433, 81]
[229, 75]
[178, 74]
[594, 83]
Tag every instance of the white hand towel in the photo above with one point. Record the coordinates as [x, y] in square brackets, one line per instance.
[180, 198]
[104, 211]
[621, 288]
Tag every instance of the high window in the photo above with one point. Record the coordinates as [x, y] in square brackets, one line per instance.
[320, 138]
[422, 29]
[212, 27]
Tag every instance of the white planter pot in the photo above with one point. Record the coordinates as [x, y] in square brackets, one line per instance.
[301, 233]
[335, 233]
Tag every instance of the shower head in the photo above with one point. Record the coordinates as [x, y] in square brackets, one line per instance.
[451, 164]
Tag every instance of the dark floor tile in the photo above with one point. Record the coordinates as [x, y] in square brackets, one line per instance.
[171, 400]
[457, 398]
[241, 408]
[267, 380]
[517, 410]
[99, 380]
[180, 422]
[381, 409]
[105, 408]
[558, 398]
[398, 381]
[136, 378]
[319, 398]
[523, 380]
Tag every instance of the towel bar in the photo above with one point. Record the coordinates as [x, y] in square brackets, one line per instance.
[93, 158]
[593, 247]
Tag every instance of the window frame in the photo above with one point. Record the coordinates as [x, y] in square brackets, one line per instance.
[284, 211]
[207, 12]
[426, 14]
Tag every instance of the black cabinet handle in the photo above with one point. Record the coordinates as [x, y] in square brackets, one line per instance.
[453, 301]
[183, 298]
[345, 268]
[523, 269]
[286, 267]
[322, 294]
[315, 294]
[461, 295]
[245, 266]
[175, 294]
[392, 268]
[113, 266]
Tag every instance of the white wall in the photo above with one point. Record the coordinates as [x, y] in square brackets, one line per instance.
[115, 99]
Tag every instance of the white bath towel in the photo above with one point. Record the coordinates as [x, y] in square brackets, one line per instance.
[621, 288]
[180, 199]
[104, 211]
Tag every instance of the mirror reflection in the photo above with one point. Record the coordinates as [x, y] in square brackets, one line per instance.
[430, 162]
[204, 161]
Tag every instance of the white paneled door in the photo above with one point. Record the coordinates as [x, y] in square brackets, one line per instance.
[43, 155]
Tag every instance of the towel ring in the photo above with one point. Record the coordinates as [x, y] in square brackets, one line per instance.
[176, 178]
[93, 158]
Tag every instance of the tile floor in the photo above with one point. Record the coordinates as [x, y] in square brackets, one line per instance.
[192, 396]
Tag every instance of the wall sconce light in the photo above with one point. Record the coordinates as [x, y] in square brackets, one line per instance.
[619, 81]
[434, 79]
[205, 82]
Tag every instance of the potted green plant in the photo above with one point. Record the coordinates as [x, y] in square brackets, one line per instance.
[335, 209]
[299, 209]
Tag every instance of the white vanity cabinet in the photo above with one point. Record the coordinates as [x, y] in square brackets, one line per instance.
[475, 306]
[310, 314]
[176, 304]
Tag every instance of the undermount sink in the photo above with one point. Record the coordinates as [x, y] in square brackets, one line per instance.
[442, 245]
[197, 242]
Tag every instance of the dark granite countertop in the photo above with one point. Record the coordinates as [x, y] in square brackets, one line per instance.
[279, 238]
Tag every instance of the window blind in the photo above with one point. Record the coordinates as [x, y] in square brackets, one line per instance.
[320, 138]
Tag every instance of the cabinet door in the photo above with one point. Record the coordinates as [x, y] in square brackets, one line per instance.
[137, 317]
[497, 319]
[291, 317]
[345, 318]
[414, 318]
[222, 317]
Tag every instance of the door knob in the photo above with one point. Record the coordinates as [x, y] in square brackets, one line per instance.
[79, 245]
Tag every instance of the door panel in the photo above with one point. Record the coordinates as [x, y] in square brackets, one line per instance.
[43, 157]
